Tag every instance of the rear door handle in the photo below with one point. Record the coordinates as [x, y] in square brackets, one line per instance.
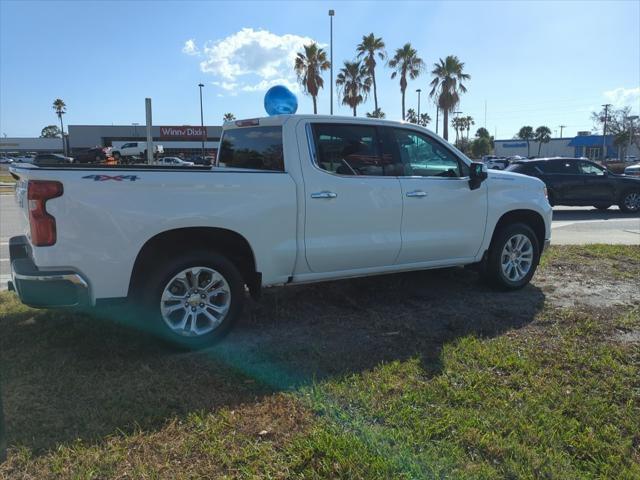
[324, 194]
[417, 193]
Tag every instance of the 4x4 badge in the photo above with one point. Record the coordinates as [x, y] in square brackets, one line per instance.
[117, 178]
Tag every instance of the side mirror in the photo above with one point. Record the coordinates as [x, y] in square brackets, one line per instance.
[477, 174]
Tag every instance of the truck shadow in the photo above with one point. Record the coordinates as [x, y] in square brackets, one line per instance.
[67, 377]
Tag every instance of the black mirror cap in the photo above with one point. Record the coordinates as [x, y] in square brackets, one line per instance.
[477, 174]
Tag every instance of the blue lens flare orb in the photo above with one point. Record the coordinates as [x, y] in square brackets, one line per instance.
[279, 100]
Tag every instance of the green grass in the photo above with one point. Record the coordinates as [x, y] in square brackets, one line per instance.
[6, 178]
[558, 397]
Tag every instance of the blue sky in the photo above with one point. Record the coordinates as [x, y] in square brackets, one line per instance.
[533, 63]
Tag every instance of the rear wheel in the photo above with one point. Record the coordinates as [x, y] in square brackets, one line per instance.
[116, 156]
[630, 201]
[513, 257]
[194, 300]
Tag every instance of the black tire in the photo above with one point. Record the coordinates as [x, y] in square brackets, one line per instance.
[602, 206]
[493, 271]
[116, 156]
[627, 204]
[156, 281]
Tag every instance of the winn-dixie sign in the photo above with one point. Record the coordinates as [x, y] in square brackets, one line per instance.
[183, 132]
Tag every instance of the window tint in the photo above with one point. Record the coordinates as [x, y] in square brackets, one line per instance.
[589, 168]
[423, 156]
[351, 150]
[559, 166]
[258, 148]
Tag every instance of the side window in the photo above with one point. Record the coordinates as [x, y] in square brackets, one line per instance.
[560, 166]
[588, 168]
[424, 157]
[257, 148]
[346, 149]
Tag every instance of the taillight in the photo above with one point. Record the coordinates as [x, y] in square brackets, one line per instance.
[43, 225]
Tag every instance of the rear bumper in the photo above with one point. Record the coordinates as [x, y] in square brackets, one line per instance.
[38, 288]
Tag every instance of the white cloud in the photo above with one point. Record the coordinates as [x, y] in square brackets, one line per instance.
[190, 47]
[264, 85]
[250, 60]
[624, 97]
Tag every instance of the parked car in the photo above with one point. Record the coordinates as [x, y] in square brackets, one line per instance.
[497, 163]
[633, 170]
[199, 160]
[173, 161]
[131, 150]
[6, 160]
[579, 182]
[51, 159]
[93, 155]
[630, 159]
[340, 198]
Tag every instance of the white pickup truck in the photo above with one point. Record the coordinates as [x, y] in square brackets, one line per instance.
[292, 199]
[129, 150]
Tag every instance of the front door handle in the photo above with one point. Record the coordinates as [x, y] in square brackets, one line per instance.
[417, 193]
[324, 194]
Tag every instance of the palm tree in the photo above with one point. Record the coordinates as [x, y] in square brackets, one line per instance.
[61, 108]
[406, 62]
[377, 113]
[370, 48]
[447, 86]
[468, 123]
[309, 66]
[542, 135]
[424, 119]
[228, 117]
[354, 83]
[412, 116]
[457, 124]
[526, 133]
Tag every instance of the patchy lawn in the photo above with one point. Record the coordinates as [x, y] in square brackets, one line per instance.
[420, 375]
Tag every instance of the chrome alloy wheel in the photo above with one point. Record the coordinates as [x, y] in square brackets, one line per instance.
[517, 257]
[195, 301]
[632, 201]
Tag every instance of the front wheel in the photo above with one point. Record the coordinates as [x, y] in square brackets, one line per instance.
[194, 300]
[630, 202]
[513, 257]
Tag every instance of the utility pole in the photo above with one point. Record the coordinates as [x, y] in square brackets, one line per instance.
[331, 15]
[418, 90]
[604, 131]
[561, 128]
[202, 121]
[485, 114]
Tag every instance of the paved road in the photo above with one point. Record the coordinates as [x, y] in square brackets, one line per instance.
[571, 225]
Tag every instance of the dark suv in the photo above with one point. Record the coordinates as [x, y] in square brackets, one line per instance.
[47, 159]
[580, 182]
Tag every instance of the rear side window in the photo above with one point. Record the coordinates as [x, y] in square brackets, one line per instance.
[257, 148]
[559, 166]
[346, 149]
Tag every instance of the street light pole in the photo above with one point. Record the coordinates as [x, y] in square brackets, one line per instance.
[562, 127]
[331, 14]
[418, 90]
[201, 120]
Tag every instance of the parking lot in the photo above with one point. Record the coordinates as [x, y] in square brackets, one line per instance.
[571, 226]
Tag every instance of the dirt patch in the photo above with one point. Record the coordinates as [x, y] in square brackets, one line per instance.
[591, 281]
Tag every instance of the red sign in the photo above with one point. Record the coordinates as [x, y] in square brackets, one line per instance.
[183, 132]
